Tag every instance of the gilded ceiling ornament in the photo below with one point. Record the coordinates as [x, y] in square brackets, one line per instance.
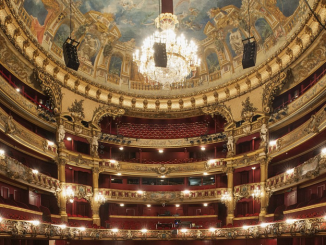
[145, 103]
[279, 62]
[133, 103]
[216, 96]
[55, 72]
[76, 85]
[98, 94]
[308, 31]
[36, 53]
[193, 102]
[269, 70]
[8, 20]
[157, 105]
[77, 110]
[65, 79]
[289, 52]
[259, 78]
[298, 42]
[227, 92]
[248, 110]
[121, 98]
[2, 4]
[46, 62]
[205, 99]
[87, 88]
[248, 82]
[237, 87]
[181, 103]
[17, 33]
[109, 97]
[26, 44]
[169, 103]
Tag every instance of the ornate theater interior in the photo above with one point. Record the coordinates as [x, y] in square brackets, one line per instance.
[158, 121]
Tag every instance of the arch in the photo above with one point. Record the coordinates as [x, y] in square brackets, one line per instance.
[274, 85]
[221, 110]
[51, 88]
[106, 110]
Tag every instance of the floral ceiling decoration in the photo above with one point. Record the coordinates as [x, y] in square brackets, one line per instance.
[109, 32]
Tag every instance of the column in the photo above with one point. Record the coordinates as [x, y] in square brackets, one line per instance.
[264, 195]
[62, 201]
[95, 205]
[230, 204]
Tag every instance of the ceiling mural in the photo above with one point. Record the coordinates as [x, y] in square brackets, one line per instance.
[109, 31]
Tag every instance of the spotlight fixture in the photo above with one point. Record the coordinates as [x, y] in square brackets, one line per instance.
[140, 192]
[205, 173]
[119, 174]
[115, 230]
[122, 205]
[144, 230]
[186, 192]
[245, 227]
[35, 222]
[177, 205]
[290, 221]
[203, 148]
[205, 204]
[272, 143]
[35, 171]
[82, 228]
[121, 148]
[69, 138]
[62, 226]
[263, 225]
[290, 171]
[160, 151]
[18, 90]
[184, 230]
[253, 168]
[212, 229]
[148, 205]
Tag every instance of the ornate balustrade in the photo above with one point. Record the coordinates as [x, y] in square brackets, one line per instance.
[309, 169]
[79, 191]
[162, 196]
[19, 172]
[211, 166]
[246, 190]
[34, 229]
[299, 135]
[25, 137]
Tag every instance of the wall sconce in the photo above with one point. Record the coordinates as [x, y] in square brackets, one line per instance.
[226, 198]
[69, 194]
[100, 198]
[256, 194]
[323, 152]
[2, 154]
[290, 171]
[35, 171]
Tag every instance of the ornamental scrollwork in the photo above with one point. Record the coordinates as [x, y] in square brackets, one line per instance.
[51, 88]
[272, 87]
[221, 110]
[103, 111]
[163, 170]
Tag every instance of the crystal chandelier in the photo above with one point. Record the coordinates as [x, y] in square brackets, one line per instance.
[181, 54]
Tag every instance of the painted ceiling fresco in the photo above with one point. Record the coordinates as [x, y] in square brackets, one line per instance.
[100, 25]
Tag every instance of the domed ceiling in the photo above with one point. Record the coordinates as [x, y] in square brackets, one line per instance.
[110, 30]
